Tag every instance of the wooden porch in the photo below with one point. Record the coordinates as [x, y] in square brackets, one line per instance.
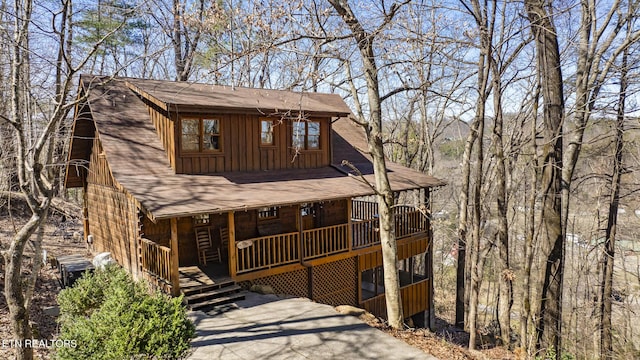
[252, 257]
[193, 278]
[359, 234]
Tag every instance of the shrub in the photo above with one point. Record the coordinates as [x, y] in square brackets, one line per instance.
[111, 316]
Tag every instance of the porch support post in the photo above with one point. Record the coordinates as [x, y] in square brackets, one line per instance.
[175, 274]
[231, 224]
[349, 227]
[429, 263]
[85, 217]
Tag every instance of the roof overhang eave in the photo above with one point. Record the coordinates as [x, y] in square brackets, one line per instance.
[191, 108]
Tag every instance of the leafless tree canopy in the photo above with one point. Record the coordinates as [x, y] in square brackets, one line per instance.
[529, 110]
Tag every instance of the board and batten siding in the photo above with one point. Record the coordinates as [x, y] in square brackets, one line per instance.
[242, 151]
[166, 130]
[113, 218]
[240, 141]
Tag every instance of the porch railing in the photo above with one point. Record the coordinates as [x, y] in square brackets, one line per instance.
[409, 221]
[156, 260]
[282, 249]
[415, 298]
[365, 233]
[325, 241]
[363, 210]
[267, 251]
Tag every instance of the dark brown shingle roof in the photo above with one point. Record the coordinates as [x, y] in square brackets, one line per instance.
[184, 96]
[138, 162]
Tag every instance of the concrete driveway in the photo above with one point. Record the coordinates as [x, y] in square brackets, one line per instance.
[268, 327]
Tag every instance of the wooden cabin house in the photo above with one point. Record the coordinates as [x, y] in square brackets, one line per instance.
[196, 186]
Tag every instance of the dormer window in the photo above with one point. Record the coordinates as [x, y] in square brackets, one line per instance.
[201, 135]
[306, 135]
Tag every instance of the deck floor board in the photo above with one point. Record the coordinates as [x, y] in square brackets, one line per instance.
[193, 277]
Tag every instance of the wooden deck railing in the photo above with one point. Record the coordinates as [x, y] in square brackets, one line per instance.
[415, 298]
[267, 251]
[156, 260]
[409, 222]
[363, 210]
[325, 241]
[365, 233]
[282, 249]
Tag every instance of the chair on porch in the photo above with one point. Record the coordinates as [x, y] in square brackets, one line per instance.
[206, 251]
[224, 239]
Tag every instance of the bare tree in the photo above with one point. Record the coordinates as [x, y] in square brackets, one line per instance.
[185, 24]
[606, 331]
[551, 231]
[469, 249]
[373, 128]
[34, 141]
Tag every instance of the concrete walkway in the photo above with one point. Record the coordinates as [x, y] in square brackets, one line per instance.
[268, 327]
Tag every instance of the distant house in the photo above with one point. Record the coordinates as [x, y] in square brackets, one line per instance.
[201, 188]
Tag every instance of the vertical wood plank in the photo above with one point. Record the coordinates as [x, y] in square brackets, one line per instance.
[175, 274]
[232, 243]
[85, 211]
[204, 164]
[227, 144]
[195, 164]
[241, 144]
[234, 146]
[285, 144]
[133, 238]
[277, 152]
[252, 141]
[256, 149]
[172, 141]
[263, 160]
[325, 140]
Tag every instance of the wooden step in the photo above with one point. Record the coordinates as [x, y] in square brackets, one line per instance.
[205, 288]
[217, 301]
[205, 295]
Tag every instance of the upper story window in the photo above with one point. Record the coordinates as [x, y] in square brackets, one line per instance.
[200, 135]
[266, 132]
[306, 135]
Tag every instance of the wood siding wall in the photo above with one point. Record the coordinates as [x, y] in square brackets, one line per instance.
[113, 218]
[333, 213]
[405, 250]
[240, 140]
[166, 131]
[415, 299]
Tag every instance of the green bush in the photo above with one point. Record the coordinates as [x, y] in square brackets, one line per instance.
[108, 315]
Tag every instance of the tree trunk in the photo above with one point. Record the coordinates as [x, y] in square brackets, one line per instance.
[374, 138]
[36, 167]
[606, 337]
[552, 235]
[14, 292]
[526, 320]
[505, 297]
[463, 212]
[184, 44]
[473, 246]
